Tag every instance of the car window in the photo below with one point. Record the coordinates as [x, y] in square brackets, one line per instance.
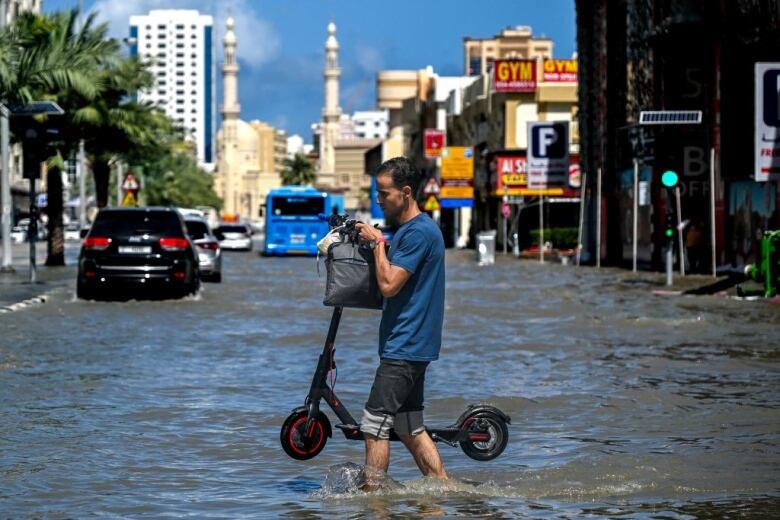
[136, 223]
[197, 229]
[232, 229]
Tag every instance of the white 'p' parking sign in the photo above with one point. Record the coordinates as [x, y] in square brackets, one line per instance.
[548, 154]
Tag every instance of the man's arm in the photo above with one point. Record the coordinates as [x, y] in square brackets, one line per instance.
[390, 278]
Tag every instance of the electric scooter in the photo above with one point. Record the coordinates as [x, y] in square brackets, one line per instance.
[480, 431]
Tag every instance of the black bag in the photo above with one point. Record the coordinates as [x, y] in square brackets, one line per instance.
[351, 277]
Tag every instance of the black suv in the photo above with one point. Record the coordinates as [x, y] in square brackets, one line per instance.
[137, 248]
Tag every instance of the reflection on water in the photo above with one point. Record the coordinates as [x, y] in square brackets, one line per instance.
[623, 404]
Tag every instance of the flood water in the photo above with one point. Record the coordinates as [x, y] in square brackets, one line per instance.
[623, 404]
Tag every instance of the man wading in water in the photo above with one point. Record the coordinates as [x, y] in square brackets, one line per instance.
[411, 278]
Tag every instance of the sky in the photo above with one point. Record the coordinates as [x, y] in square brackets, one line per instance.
[281, 43]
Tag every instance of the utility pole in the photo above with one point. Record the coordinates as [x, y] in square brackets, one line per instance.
[5, 180]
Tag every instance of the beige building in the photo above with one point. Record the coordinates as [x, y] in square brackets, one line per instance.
[350, 175]
[272, 147]
[517, 42]
[247, 165]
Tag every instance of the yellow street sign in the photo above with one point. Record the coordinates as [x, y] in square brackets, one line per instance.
[431, 203]
[457, 192]
[457, 162]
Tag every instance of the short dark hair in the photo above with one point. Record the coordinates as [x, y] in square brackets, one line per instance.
[403, 173]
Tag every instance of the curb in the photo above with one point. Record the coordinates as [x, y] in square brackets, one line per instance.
[30, 302]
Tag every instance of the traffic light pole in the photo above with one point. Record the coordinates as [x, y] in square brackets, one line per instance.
[680, 230]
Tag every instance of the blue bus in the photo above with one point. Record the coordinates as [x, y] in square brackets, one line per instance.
[292, 222]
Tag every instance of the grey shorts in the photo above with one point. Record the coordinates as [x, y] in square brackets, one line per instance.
[396, 399]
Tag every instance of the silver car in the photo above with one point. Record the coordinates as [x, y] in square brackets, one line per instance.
[237, 237]
[208, 248]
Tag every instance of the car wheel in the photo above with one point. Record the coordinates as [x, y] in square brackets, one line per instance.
[83, 292]
[216, 278]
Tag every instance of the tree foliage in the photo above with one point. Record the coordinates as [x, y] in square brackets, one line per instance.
[298, 170]
[176, 180]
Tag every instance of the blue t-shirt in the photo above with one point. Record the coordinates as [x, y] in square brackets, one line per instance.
[412, 319]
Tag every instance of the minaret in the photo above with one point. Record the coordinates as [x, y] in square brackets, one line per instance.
[230, 179]
[332, 111]
[230, 107]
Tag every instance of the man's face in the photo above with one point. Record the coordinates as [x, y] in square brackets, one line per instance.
[392, 200]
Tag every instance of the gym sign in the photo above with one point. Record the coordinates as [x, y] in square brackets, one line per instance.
[514, 75]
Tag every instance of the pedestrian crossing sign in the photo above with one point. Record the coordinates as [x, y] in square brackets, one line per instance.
[431, 203]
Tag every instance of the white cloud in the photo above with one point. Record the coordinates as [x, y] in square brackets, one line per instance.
[258, 40]
[368, 58]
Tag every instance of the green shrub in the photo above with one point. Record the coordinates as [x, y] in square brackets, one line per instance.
[561, 238]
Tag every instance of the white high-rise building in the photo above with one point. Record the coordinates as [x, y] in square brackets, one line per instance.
[180, 45]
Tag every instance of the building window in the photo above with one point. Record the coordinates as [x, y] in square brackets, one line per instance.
[179, 54]
[179, 45]
[179, 63]
[180, 27]
[194, 92]
[180, 111]
[179, 101]
[180, 73]
[180, 82]
[179, 36]
[161, 36]
[162, 92]
[179, 92]
[161, 45]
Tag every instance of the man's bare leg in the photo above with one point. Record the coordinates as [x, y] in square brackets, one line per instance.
[425, 454]
[377, 461]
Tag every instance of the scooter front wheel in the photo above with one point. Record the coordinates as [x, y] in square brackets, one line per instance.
[299, 443]
[486, 436]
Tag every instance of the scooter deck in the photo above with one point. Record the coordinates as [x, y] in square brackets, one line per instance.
[449, 436]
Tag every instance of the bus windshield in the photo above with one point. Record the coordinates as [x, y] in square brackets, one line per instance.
[296, 206]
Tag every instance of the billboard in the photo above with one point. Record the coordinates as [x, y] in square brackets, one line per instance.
[767, 137]
[512, 178]
[514, 75]
[434, 142]
[559, 71]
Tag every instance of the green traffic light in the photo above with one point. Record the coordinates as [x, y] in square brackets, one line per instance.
[669, 232]
[669, 179]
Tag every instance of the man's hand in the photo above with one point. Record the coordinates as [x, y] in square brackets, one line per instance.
[368, 233]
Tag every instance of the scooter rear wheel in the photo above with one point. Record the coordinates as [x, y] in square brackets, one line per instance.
[487, 436]
[300, 444]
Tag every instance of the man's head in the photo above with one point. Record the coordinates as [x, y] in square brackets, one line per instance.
[397, 184]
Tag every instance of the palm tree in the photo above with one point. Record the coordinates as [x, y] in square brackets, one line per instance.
[298, 170]
[115, 124]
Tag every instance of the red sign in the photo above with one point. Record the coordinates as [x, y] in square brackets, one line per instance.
[512, 172]
[434, 143]
[512, 177]
[559, 71]
[514, 75]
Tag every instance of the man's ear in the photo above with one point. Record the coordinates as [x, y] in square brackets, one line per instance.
[407, 191]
